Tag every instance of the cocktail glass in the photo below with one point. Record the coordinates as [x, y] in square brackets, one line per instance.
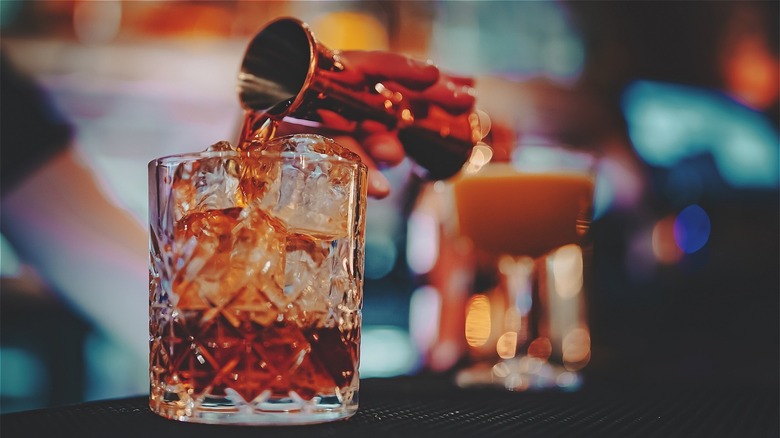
[530, 217]
[256, 280]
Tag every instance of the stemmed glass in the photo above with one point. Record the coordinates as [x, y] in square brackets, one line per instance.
[531, 216]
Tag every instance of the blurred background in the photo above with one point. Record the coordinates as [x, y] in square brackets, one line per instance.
[680, 98]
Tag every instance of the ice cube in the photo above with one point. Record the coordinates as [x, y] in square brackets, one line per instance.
[321, 281]
[307, 277]
[308, 144]
[199, 257]
[316, 185]
[231, 262]
[258, 251]
[260, 180]
[221, 146]
[210, 183]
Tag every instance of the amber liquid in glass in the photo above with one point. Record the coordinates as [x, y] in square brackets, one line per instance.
[238, 338]
[253, 358]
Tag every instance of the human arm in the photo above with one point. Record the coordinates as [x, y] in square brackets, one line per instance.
[92, 251]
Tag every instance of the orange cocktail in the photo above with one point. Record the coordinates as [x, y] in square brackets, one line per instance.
[530, 217]
[505, 211]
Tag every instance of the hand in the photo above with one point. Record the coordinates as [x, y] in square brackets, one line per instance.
[418, 81]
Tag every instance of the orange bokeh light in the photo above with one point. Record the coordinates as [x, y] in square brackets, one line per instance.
[751, 72]
[540, 348]
[665, 247]
[477, 320]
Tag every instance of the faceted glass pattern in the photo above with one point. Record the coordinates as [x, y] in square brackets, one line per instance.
[256, 277]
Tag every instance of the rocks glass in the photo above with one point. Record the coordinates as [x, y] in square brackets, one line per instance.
[255, 282]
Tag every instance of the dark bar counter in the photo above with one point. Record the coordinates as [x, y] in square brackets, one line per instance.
[430, 406]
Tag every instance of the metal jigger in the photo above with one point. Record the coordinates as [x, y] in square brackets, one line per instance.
[287, 73]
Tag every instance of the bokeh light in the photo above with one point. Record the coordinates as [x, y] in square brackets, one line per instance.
[507, 38]
[540, 348]
[480, 155]
[386, 351]
[576, 349]
[664, 245]
[512, 319]
[477, 320]
[568, 381]
[381, 255]
[671, 123]
[567, 270]
[422, 242]
[350, 30]
[691, 229]
[424, 316]
[749, 59]
[506, 347]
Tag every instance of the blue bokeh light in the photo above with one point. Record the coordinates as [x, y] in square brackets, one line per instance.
[692, 229]
[669, 123]
[513, 38]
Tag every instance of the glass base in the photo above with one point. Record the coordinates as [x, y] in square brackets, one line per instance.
[267, 411]
[522, 373]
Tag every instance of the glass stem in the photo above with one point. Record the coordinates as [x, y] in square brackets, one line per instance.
[521, 288]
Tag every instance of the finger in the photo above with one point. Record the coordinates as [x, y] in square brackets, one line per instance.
[335, 121]
[453, 98]
[378, 185]
[369, 126]
[411, 73]
[459, 80]
[384, 148]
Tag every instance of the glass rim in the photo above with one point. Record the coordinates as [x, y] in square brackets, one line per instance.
[590, 171]
[546, 157]
[253, 154]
